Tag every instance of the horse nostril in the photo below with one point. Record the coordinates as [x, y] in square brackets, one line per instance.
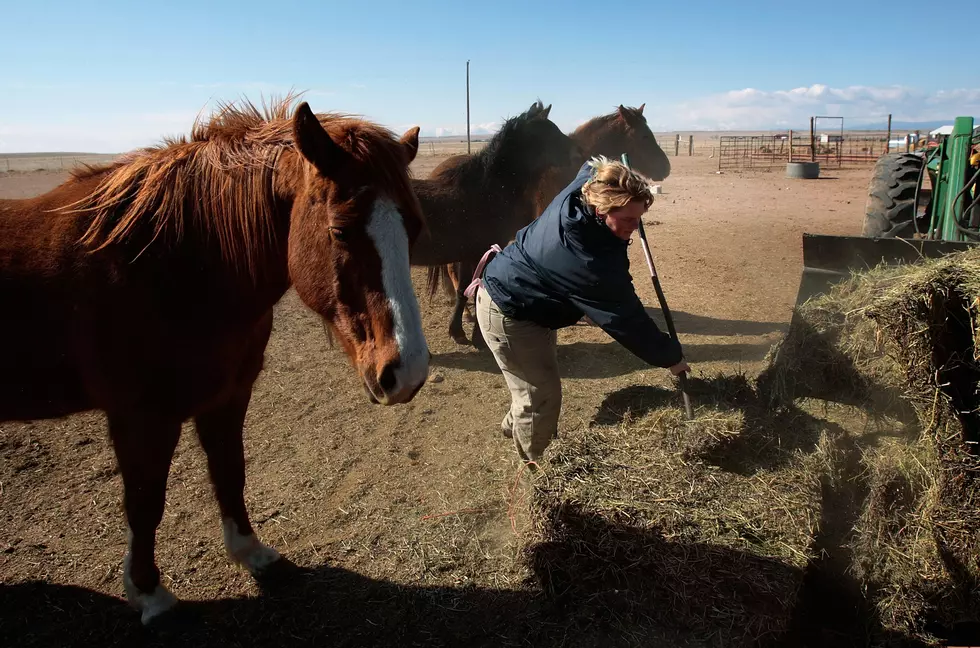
[387, 379]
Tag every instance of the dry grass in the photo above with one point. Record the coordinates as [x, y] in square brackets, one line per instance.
[644, 521]
[904, 340]
[658, 522]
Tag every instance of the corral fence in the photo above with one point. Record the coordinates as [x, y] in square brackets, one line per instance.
[769, 151]
[27, 162]
[833, 149]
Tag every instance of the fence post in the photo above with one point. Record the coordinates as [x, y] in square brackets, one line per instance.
[791, 145]
[690, 145]
[677, 145]
[888, 140]
[813, 141]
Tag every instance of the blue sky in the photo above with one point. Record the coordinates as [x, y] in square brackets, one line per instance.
[108, 76]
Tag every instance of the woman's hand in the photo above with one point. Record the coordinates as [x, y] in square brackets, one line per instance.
[679, 368]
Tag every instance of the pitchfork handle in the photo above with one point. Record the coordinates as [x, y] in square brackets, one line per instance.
[663, 304]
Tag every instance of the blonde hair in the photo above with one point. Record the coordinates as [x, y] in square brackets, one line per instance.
[613, 185]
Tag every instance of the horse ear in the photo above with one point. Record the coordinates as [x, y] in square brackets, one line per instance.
[622, 111]
[313, 142]
[410, 140]
[544, 113]
[640, 109]
[534, 109]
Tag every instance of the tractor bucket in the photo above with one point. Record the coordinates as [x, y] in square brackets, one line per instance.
[830, 259]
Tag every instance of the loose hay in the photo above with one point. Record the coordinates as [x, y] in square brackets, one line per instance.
[638, 523]
[646, 521]
[903, 340]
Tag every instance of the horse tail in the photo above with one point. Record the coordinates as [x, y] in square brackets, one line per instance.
[432, 281]
[433, 275]
[440, 274]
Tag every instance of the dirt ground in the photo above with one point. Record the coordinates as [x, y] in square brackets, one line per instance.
[403, 523]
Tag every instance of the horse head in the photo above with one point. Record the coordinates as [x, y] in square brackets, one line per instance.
[634, 137]
[353, 220]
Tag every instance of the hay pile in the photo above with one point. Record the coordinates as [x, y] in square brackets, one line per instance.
[647, 521]
[903, 341]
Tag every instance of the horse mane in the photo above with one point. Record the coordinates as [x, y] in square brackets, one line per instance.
[591, 127]
[480, 163]
[220, 182]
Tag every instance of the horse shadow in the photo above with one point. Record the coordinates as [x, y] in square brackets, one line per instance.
[569, 603]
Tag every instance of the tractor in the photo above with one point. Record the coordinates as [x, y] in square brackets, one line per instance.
[903, 220]
[904, 223]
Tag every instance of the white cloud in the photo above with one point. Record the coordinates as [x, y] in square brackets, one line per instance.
[743, 109]
[751, 109]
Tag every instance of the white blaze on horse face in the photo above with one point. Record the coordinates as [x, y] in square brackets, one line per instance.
[246, 549]
[151, 604]
[387, 230]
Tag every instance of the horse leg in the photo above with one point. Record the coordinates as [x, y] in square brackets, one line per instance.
[144, 451]
[220, 433]
[454, 277]
[465, 269]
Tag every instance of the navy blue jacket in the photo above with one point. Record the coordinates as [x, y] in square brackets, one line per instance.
[567, 263]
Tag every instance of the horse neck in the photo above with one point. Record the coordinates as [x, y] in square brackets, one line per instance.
[515, 168]
[598, 141]
[233, 274]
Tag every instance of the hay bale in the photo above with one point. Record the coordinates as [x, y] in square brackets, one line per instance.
[655, 522]
[903, 339]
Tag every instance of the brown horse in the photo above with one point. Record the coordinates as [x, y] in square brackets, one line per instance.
[145, 289]
[625, 130]
[473, 201]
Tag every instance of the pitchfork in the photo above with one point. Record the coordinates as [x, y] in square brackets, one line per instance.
[663, 305]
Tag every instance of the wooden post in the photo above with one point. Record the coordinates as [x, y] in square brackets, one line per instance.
[791, 146]
[467, 107]
[690, 145]
[677, 145]
[813, 141]
[888, 140]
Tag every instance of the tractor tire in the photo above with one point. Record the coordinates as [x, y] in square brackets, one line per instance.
[890, 208]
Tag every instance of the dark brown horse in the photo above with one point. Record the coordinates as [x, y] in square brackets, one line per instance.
[473, 201]
[145, 289]
[625, 130]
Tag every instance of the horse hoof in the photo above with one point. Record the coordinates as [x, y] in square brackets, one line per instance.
[260, 559]
[256, 557]
[246, 550]
[150, 604]
[153, 605]
[459, 338]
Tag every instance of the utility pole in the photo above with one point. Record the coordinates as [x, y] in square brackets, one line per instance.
[467, 107]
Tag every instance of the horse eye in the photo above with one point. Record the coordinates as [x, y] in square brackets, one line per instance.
[338, 233]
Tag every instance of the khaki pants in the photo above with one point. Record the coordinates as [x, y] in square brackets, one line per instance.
[527, 355]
